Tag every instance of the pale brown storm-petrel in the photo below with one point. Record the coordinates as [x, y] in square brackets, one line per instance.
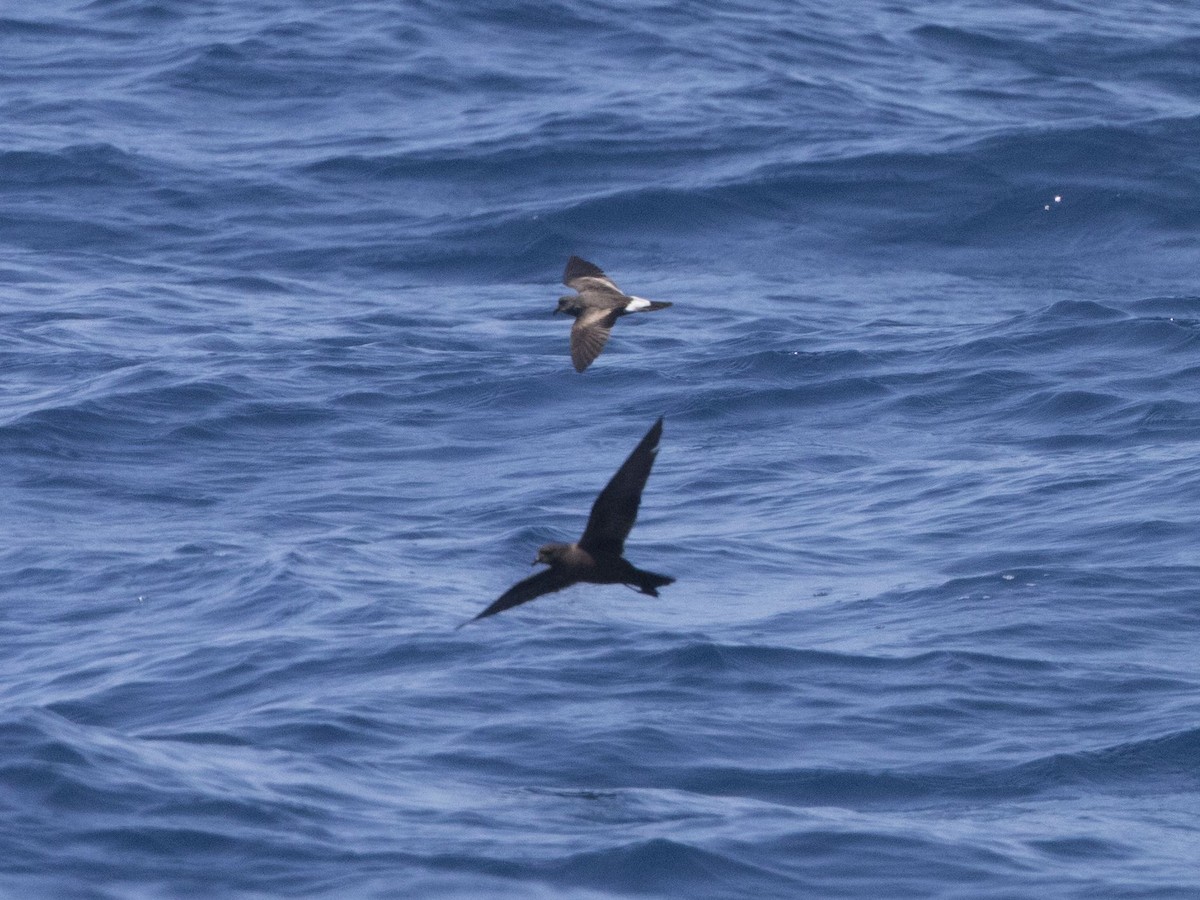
[596, 307]
[597, 556]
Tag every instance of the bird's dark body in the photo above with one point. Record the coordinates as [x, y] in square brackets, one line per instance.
[598, 556]
[580, 565]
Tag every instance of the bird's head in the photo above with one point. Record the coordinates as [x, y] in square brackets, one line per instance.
[568, 305]
[549, 554]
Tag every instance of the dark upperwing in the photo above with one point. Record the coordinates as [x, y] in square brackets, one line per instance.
[581, 268]
[615, 510]
[545, 582]
[583, 275]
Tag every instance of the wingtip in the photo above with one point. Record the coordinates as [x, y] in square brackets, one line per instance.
[462, 625]
[578, 267]
[653, 437]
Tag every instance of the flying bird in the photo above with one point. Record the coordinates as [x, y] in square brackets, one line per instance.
[597, 304]
[597, 556]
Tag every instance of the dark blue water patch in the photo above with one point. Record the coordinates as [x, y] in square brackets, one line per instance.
[1071, 311]
[1167, 415]
[125, 420]
[1018, 577]
[1184, 308]
[18, 32]
[66, 433]
[845, 394]
[1161, 764]
[243, 284]
[1062, 55]
[259, 418]
[1102, 173]
[1170, 64]
[567, 148]
[1061, 406]
[143, 697]
[665, 867]
[256, 68]
[699, 660]
[77, 166]
[961, 42]
[809, 787]
[1156, 764]
[1082, 342]
[42, 233]
[1076, 848]
[1069, 325]
[903, 859]
[141, 11]
[955, 391]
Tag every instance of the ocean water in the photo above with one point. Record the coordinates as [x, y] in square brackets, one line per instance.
[282, 403]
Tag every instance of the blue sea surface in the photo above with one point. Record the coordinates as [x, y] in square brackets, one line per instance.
[282, 403]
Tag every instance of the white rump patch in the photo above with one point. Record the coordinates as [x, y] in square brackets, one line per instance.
[636, 304]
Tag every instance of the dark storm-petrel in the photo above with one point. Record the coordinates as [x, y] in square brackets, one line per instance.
[597, 556]
[597, 305]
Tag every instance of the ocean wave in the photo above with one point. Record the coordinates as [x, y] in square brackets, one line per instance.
[73, 166]
[666, 866]
[1120, 770]
[283, 403]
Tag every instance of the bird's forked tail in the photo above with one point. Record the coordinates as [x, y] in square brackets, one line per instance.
[641, 304]
[649, 582]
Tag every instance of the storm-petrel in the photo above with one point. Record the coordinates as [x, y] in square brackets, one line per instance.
[596, 306]
[596, 556]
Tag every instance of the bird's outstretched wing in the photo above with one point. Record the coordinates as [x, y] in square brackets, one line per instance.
[589, 335]
[615, 510]
[584, 276]
[544, 582]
